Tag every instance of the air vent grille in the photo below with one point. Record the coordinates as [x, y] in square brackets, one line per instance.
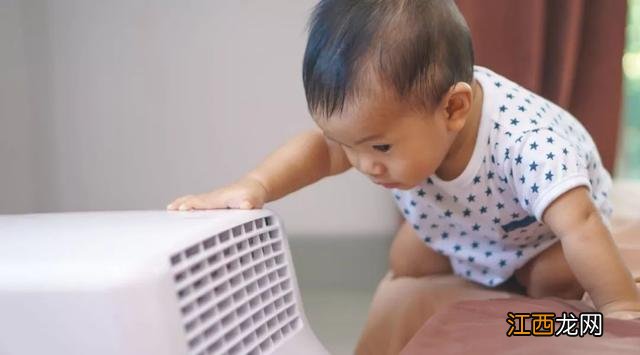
[234, 291]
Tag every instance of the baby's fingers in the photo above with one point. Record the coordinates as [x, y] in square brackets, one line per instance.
[201, 202]
[624, 315]
[177, 202]
[191, 202]
[207, 201]
[194, 203]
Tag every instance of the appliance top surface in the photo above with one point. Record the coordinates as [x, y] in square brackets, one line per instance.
[82, 245]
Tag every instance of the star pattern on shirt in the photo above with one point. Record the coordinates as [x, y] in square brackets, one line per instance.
[529, 149]
[534, 188]
[548, 176]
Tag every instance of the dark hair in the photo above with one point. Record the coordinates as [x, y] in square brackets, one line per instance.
[417, 48]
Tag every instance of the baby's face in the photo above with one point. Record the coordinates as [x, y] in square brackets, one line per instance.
[393, 145]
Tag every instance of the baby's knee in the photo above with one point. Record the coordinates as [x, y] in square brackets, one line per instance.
[406, 264]
[411, 257]
[401, 266]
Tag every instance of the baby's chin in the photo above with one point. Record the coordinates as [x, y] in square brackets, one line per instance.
[400, 185]
[403, 187]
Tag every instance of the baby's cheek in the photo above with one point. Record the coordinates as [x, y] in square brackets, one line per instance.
[350, 156]
[420, 170]
[403, 172]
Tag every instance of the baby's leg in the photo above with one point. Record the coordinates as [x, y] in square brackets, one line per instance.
[401, 306]
[548, 274]
[411, 257]
[402, 301]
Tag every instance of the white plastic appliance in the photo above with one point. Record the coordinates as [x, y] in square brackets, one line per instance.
[149, 282]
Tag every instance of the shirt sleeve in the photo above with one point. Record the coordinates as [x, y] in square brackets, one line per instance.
[541, 166]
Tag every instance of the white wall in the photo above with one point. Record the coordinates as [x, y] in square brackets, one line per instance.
[17, 151]
[125, 104]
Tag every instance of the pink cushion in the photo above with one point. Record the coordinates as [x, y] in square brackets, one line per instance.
[480, 327]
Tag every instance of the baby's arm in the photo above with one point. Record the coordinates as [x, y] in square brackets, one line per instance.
[591, 253]
[302, 161]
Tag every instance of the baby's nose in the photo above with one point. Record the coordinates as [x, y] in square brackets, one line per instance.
[371, 168]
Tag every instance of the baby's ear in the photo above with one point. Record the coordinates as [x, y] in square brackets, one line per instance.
[458, 102]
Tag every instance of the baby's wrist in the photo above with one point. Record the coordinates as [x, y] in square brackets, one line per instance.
[252, 178]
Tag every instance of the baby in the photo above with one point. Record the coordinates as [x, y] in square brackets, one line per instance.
[495, 182]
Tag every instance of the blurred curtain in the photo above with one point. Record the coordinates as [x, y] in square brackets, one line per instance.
[568, 51]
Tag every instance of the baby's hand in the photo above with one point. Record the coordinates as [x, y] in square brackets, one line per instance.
[247, 193]
[624, 315]
[622, 310]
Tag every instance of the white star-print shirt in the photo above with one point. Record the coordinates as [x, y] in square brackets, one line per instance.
[528, 152]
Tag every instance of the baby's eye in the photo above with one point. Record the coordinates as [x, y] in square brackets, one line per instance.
[382, 147]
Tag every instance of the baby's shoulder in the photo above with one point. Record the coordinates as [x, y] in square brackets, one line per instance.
[512, 105]
[518, 117]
